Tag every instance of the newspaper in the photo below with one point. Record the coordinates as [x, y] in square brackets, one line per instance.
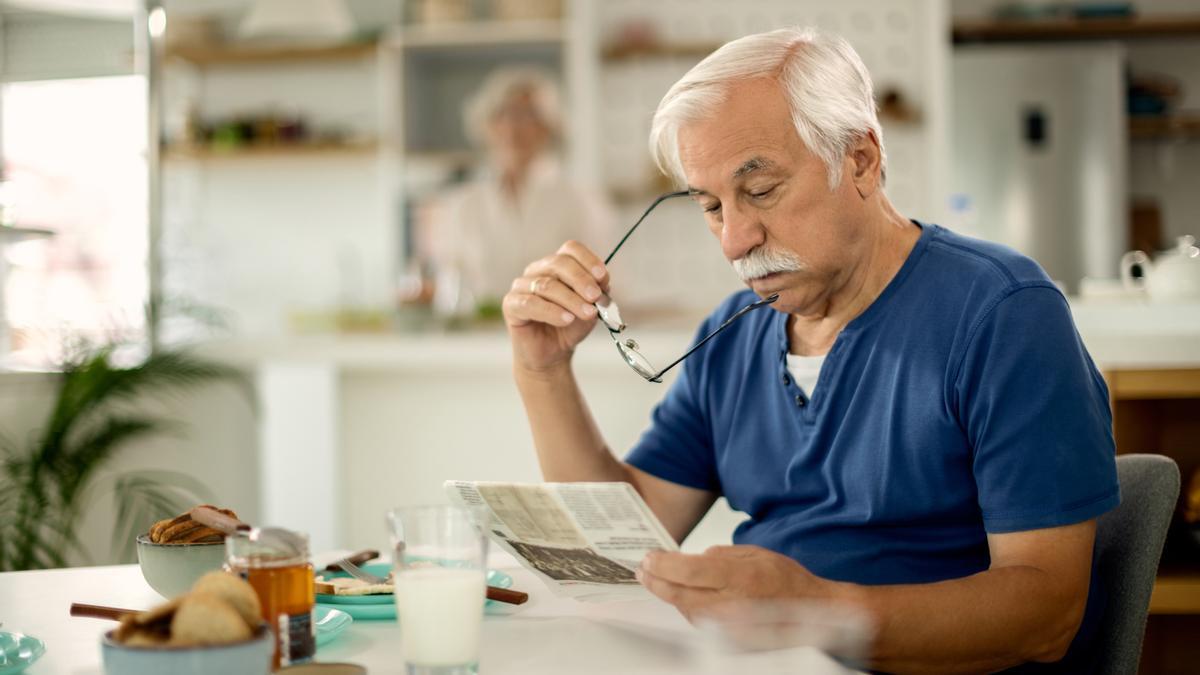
[584, 540]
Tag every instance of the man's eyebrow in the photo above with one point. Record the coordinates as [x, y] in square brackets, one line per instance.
[749, 166]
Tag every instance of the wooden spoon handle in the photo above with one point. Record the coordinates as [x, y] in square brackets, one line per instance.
[506, 595]
[218, 521]
[100, 611]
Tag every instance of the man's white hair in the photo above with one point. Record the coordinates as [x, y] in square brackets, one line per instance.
[826, 84]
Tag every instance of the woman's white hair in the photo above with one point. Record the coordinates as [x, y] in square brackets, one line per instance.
[826, 84]
[500, 86]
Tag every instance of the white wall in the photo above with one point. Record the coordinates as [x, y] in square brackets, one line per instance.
[405, 432]
[262, 237]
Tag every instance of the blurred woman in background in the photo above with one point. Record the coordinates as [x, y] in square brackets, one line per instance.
[521, 205]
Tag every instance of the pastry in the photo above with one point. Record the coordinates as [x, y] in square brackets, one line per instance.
[236, 593]
[220, 608]
[183, 530]
[206, 619]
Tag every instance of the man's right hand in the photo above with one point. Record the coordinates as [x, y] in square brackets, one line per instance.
[549, 309]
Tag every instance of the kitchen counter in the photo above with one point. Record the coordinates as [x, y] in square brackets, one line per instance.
[1140, 334]
[1118, 335]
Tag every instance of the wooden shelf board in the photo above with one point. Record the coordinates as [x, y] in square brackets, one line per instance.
[17, 233]
[696, 50]
[477, 34]
[240, 54]
[1128, 385]
[1176, 592]
[284, 150]
[1184, 126]
[1035, 30]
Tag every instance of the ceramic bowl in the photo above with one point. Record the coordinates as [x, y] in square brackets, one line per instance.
[249, 657]
[171, 569]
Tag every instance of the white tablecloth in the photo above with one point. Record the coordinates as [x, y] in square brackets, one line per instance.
[546, 635]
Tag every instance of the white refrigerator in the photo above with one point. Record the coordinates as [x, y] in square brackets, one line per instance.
[1039, 153]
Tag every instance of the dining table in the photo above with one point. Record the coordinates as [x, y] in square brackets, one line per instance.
[546, 634]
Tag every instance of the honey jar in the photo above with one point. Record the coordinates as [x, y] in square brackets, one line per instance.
[279, 569]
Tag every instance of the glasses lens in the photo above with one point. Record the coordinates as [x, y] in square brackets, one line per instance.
[610, 314]
[629, 352]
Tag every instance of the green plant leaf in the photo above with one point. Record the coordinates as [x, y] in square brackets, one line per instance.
[95, 447]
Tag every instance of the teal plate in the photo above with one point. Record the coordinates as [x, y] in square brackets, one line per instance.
[383, 607]
[18, 652]
[330, 623]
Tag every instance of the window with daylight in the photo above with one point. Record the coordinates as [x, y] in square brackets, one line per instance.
[75, 240]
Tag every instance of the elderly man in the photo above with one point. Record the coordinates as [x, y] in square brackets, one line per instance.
[915, 428]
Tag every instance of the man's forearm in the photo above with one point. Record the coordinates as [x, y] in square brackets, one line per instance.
[568, 441]
[986, 622]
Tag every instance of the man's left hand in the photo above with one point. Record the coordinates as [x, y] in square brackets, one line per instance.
[724, 573]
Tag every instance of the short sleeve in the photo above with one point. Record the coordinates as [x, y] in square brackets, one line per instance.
[1036, 414]
[678, 446]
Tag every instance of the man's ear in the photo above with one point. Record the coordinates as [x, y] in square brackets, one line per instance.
[866, 164]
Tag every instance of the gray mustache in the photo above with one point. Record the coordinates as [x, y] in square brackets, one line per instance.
[761, 261]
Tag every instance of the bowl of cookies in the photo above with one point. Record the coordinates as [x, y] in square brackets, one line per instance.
[217, 627]
[178, 551]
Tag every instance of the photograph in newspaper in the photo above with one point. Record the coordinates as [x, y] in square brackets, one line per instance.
[574, 564]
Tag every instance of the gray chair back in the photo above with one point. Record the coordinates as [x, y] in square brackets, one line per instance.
[1129, 543]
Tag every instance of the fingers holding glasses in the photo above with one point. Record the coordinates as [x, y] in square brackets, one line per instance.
[569, 271]
[522, 308]
[559, 289]
[557, 292]
[588, 260]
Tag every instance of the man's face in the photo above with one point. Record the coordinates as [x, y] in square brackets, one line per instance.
[761, 188]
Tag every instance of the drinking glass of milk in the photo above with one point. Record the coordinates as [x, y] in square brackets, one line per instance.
[440, 582]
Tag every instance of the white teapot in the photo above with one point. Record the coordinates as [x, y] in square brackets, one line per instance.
[1174, 275]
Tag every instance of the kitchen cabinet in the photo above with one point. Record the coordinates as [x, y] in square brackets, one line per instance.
[1158, 410]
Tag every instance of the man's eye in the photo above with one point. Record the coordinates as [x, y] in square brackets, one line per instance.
[713, 208]
[762, 193]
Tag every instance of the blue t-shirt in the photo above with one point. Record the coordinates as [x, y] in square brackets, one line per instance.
[962, 402]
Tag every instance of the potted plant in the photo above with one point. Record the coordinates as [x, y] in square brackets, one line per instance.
[47, 482]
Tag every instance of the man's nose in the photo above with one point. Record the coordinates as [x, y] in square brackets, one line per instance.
[741, 231]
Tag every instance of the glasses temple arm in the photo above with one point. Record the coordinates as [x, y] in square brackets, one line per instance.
[740, 313]
[661, 199]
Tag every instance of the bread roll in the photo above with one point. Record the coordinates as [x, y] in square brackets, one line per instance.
[206, 619]
[235, 592]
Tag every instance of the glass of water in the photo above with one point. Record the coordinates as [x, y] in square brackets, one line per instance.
[441, 585]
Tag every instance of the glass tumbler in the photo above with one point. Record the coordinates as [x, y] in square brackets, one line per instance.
[441, 586]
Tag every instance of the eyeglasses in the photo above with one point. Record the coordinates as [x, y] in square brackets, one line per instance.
[610, 314]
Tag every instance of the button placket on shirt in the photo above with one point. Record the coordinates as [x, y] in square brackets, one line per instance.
[790, 387]
[802, 401]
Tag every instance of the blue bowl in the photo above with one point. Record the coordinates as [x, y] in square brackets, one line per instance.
[249, 657]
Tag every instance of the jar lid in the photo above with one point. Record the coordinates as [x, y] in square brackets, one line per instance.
[267, 547]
